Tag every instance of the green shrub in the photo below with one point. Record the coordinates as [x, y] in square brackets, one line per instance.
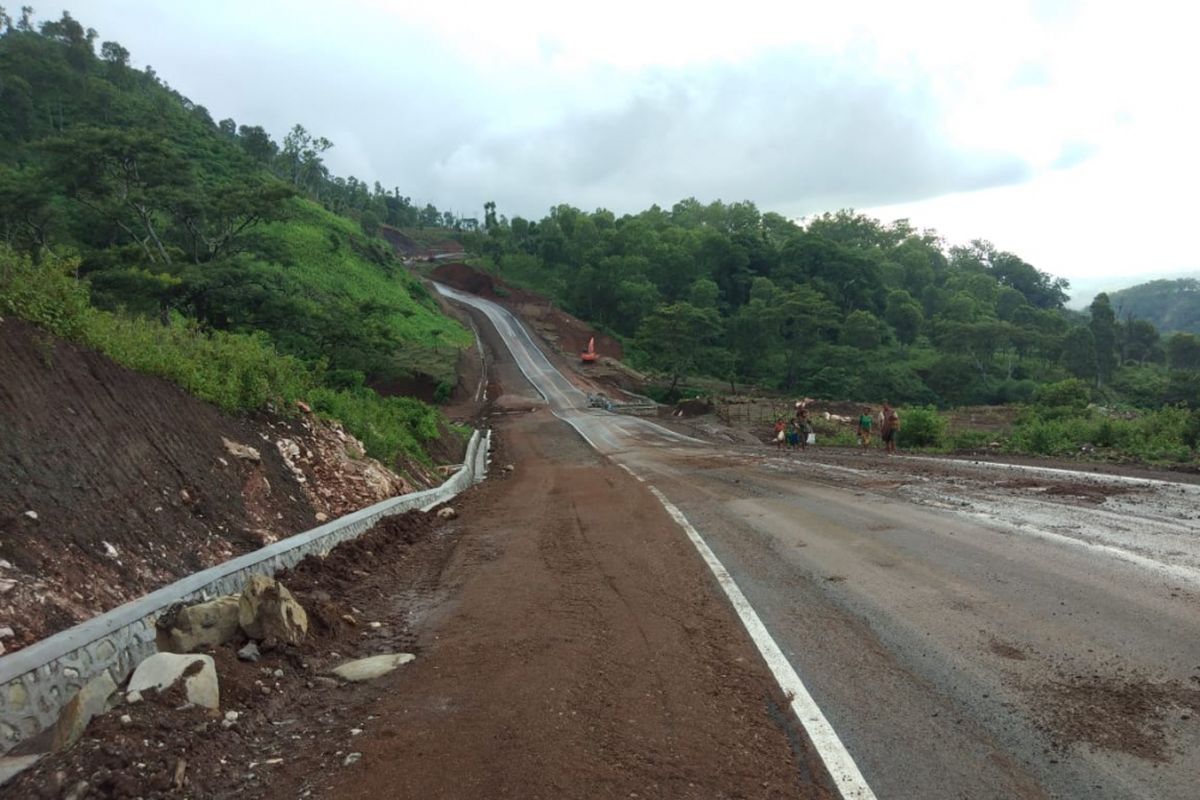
[922, 427]
[1071, 393]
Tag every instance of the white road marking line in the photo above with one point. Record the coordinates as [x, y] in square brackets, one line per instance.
[837, 759]
[631, 472]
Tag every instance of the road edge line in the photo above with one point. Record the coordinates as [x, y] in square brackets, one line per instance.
[838, 761]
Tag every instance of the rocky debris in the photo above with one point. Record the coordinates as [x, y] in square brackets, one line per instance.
[366, 669]
[133, 698]
[447, 513]
[243, 451]
[352, 758]
[91, 700]
[33, 515]
[268, 610]
[337, 475]
[164, 670]
[202, 625]
[249, 653]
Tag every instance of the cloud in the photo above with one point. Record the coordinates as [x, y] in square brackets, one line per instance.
[789, 131]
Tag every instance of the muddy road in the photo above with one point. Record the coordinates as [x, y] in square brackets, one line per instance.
[969, 630]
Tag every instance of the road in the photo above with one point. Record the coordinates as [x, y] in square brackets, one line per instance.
[968, 630]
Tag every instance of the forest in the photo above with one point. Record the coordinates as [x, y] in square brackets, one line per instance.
[192, 239]
[838, 306]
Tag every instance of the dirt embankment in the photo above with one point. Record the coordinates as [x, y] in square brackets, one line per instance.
[114, 483]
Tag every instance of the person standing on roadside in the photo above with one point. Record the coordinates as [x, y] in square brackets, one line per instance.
[865, 421]
[889, 429]
[803, 425]
[780, 433]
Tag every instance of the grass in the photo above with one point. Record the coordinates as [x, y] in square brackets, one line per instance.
[329, 262]
[239, 372]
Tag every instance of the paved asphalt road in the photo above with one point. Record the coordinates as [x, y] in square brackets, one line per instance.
[970, 631]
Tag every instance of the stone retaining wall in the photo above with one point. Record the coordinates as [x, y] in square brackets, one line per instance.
[37, 681]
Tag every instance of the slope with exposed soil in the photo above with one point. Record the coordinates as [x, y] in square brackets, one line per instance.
[113, 483]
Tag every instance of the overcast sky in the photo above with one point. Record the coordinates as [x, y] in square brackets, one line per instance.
[1063, 131]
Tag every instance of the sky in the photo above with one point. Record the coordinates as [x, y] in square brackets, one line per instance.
[1063, 131]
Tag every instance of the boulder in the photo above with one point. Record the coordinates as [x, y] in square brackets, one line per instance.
[89, 701]
[242, 451]
[249, 652]
[365, 669]
[163, 670]
[208, 624]
[267, 610]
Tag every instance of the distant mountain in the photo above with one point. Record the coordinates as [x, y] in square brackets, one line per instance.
[1084, 290]
[1172, 305]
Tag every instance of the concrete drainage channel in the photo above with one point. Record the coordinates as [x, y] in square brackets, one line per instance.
[38, 681]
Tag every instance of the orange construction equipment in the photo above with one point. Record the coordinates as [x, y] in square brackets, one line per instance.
[589, 356]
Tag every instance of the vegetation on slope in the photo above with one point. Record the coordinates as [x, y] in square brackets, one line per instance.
[204, 241]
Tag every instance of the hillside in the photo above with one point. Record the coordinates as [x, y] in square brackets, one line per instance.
[169, 218]
[1170, 305]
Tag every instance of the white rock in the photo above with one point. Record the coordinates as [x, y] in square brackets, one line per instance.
[322, 516]
[231, 716]
[6, 632]
[133, 697]
[126, 719]
[242, 451]
[447, 513]
[365, 669]
[351, 759]
[163, 670]
[31, 514]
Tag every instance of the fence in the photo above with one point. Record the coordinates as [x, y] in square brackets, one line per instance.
[36, 682]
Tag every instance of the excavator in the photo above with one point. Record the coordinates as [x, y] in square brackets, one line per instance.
[589, 356]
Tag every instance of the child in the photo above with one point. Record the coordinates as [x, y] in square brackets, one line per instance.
[864, 428]
[780, 429]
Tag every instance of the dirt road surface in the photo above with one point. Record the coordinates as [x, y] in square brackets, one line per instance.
[970, 630]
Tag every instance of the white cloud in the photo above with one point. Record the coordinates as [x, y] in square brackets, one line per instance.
[1039, 124]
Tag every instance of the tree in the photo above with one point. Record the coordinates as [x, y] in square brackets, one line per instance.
[1104, 333]
[301, 158]
[673, 338]
[904, 314]
[114, 54]
[863, 330]
[257, 143]
[1079, 352]
[1183, 351]
[130, 179]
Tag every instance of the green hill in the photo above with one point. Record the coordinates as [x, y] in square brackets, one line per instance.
[169, 218]
[1170, 305]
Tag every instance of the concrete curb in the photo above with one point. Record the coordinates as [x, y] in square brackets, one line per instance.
[37, 681]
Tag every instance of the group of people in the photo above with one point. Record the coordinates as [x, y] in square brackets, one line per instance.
[889, 426]
[798, 432]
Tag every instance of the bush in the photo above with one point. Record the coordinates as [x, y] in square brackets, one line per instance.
[1071, 393]
[922, 427]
